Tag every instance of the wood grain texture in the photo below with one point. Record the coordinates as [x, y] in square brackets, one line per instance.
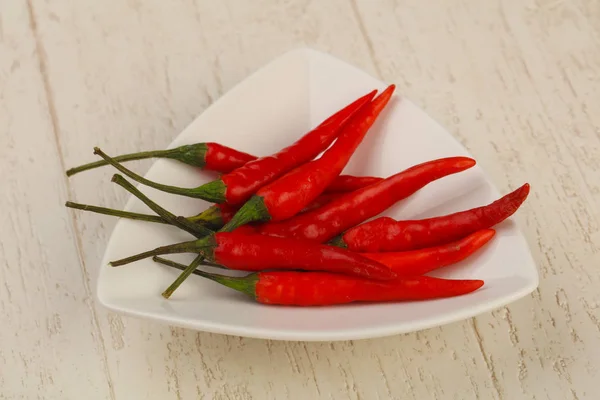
[52, 345]
[516, 81]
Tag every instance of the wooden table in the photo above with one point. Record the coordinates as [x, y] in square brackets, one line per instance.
[517, 82]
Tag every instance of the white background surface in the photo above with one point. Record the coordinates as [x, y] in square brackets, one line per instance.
[516, 81]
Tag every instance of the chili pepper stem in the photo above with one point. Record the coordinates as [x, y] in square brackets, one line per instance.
[182, 223]
[213, 191]
[138, 216]
[183, 276]
[115, 213]
[210, 217]
[338, 241]
[195, 246]
[190, 154]
[245, 284]
[253, 210]
[177, 265]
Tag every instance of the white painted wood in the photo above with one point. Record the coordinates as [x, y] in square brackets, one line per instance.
[516, 81]
[51, 344]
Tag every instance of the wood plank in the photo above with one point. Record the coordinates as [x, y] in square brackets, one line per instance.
[52, 346]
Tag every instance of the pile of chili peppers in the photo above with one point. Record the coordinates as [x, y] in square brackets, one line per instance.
[299, 226]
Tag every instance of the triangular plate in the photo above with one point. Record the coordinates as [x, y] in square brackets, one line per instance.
[264, 113]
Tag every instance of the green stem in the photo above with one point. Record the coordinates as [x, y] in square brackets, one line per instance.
[338, 241]
[253, 210]
[213, 191]
[211, 217]
[174, 264]
[115, 213]
[190, 227]
[126, 157]
[183, 276]
[194, 246]
[245, 284]
[210, 223]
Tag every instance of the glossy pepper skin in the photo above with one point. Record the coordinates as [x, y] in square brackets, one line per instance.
[257, 252]
[253, 252]
[305, 289]
[211, 156]
[387, 234]
[323, 289]
[420, 262]
[289, 194]
[224, 159]
[237, 186]
[326, 222]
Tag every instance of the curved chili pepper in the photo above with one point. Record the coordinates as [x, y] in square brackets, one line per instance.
[239, 185]
[252, 252]
[292, 288]
[292, 192]
[387, 234]
[420, 262]
[218, 215]
[211, 156]
[355, 207]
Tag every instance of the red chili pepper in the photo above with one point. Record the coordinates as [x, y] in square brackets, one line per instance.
[210, 156]
[254, 252]
[321, 289]
[387, 234]
[292, 192]
[420, 262]
[349, 183]
[353, 208]
[218, 215]
[219, 158]
[237, 186]
[292, 288]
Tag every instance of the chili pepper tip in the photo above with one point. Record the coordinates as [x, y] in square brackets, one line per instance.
[466, 163]
[477, 283]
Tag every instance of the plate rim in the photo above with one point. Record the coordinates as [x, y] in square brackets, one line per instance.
[329, 335]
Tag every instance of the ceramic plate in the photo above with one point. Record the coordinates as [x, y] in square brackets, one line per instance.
[265, 112]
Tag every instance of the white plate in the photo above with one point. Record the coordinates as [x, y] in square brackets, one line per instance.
[264, 113]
